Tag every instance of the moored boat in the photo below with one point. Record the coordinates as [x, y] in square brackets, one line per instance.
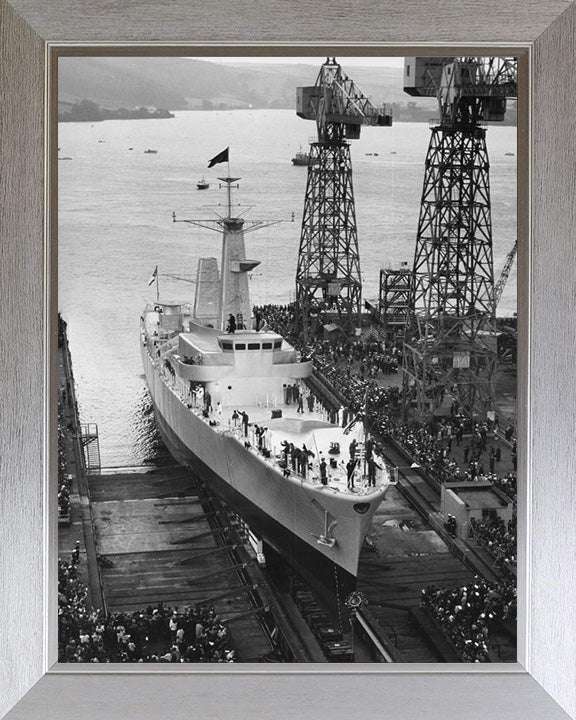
[301, 158]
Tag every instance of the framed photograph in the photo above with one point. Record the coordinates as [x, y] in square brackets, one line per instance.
[278, 480]
[202, 570]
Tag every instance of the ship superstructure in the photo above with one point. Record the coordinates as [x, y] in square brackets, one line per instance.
[232, 403]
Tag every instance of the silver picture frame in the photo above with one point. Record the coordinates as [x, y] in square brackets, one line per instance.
[542, 685]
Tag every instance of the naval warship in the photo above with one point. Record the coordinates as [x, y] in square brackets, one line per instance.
[231, 402]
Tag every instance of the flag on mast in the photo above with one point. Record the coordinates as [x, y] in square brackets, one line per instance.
[220, 158]
[153, 276]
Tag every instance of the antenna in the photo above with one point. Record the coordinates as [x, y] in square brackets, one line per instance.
[229, 222]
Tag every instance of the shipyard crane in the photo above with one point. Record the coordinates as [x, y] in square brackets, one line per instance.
[505, 274]
[328, 282]
[450, 339]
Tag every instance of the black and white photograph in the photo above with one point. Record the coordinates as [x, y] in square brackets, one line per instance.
[287, 359]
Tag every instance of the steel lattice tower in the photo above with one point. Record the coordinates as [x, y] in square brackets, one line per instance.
[328, 271]
[328, 281]
[450, 342]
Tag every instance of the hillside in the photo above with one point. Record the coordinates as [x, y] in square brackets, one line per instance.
[183, 83]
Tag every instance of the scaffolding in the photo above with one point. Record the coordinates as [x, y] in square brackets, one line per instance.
[394, 298]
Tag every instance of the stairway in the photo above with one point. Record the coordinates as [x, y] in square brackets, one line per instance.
[91, 447]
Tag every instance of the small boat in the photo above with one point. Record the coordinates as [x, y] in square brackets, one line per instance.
[131, 148]
[511, 154]
[301, 158]
[150, 152]
[202, 185]
[65, 158]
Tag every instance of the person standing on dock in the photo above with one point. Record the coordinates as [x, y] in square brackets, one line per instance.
[245, 420]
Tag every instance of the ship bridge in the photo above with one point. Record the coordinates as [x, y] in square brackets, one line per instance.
[207, 355]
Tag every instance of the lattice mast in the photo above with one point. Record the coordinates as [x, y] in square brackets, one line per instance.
[328, 282]
[225, 292]
[450, 343]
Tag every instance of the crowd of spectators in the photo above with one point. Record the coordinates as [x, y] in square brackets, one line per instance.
[431, 446]
[498, 537]
[151, 635]
[467, 614]
[63, 480]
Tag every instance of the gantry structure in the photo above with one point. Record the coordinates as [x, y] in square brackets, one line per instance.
[328, 281]
[450, 339]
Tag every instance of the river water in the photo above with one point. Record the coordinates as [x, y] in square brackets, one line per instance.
[115, 225]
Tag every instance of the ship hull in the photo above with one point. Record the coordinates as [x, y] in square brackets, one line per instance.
[314, 568]
[290, 515]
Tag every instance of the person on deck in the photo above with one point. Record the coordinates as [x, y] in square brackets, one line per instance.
[303, 462]
[368, 447]
[372, 465]
[352, 449]
[323, 478]
[207, 401]
[299, 398]
[285, 450]
[350, 467]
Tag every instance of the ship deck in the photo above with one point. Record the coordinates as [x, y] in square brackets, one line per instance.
[310, 429]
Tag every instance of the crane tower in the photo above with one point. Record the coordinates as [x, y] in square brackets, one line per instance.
[328, 282]
[450, 340]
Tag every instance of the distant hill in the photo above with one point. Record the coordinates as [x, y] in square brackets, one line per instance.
[185, 83]
[182, 83]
